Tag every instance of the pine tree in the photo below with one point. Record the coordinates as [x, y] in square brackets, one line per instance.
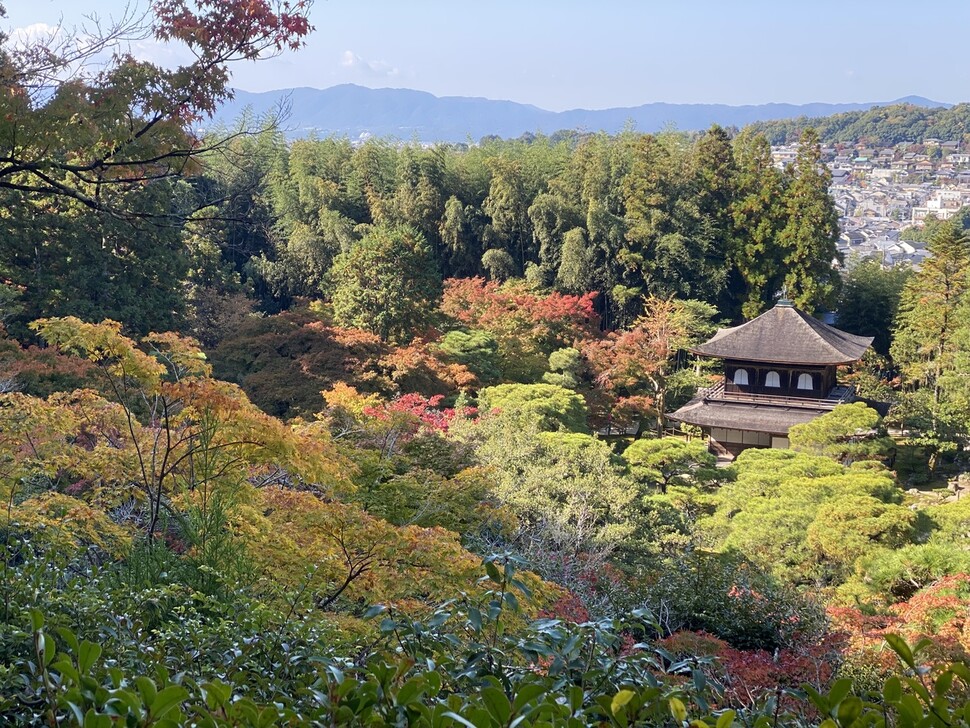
[929, 332]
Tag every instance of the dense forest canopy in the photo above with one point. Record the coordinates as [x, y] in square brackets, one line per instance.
[625, 216]
[327, 433]
[882, 125]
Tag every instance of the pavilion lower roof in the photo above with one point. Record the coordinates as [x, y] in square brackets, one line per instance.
[772, 419]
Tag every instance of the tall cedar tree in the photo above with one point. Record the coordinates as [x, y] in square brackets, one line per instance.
[714, 193]
[758, 218]
[812, 229]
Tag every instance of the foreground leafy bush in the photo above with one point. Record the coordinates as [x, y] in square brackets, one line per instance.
[170, 657]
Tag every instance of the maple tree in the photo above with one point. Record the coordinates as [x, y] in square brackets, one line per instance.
[283, 362]
[73, 124]
[422, 366]
[638, 366]
[528, 326]
[169, 429]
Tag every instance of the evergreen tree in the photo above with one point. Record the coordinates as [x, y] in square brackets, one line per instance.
[386, 284]
[712, 195]
[869, 301]
[929, 331]
[758, 218]
[811, 229]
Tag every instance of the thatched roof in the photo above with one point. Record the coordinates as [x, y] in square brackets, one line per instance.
[772, 419]
[786, 335]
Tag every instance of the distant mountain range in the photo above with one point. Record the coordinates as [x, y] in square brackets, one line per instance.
[352, 111]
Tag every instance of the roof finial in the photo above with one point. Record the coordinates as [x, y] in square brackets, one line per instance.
[784, 300]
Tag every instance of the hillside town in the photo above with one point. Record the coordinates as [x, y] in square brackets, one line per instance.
[882, 191]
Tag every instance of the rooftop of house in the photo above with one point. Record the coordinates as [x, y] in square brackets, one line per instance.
[786, 335]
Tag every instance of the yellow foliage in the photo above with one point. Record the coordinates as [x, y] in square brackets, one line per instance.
[69, 524]
[343, 553]
[104, 345]
[344, 397]
[182, 354]
[32, 438]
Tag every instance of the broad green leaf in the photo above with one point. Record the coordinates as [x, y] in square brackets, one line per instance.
[147, 689]
[498, 704]
[944, 682]
[167, 699]
[526, 694]
[892, 691]
[36, 620]
[88, 653]
[493, 573]
[898, 645]
[838, 691]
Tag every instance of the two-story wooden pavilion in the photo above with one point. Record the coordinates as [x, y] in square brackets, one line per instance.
[779, 371]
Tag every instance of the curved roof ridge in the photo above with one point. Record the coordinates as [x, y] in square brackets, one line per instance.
[838, 339]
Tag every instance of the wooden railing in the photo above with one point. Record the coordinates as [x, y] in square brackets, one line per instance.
[840, 394]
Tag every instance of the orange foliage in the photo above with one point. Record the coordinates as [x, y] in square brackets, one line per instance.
[283, 362]
[344, 556]
[41, 371]
[419, 367]
[528, 326]
[631, 367]
[938, 611]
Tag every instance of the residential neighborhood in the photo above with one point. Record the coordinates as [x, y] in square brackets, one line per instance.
[882, 191]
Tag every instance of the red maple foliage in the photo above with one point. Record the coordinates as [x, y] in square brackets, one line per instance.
[939, 612]
[223, 31]
[424, 411]
[750, 676]
[550, 321]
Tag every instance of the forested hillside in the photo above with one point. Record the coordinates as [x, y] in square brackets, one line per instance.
[325, 434]
[624, 216]
[883, 125]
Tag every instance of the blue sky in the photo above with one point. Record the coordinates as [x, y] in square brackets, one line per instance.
[560, 54]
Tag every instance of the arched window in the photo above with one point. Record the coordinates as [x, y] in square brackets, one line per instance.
[741, 377]
[805, 381]
[772, 379]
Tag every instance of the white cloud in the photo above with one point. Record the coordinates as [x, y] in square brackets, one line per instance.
[35, 33]
[353, 62]
[164, 54]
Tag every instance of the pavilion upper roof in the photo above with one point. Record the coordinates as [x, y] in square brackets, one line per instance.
[786, 335]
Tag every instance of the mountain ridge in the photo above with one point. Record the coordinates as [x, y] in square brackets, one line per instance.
[357, 111]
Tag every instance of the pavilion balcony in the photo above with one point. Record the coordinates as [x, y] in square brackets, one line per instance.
[840, 394]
